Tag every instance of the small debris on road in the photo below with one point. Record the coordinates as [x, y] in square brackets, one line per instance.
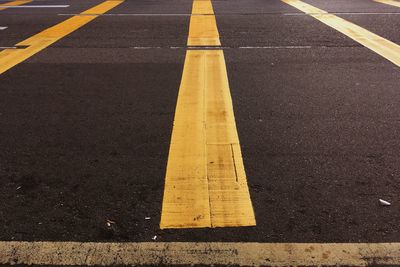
[109, 223]
[154, 238]
[147, 218]
[384, 202]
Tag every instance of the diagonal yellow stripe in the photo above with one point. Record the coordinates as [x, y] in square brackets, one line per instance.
[14, 3]
[11, 57]
[205, 183]
[389, 2]
[376, 43]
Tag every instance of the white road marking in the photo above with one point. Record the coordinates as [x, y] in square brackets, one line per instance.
[37, 6]
[225, 47]
[228, 14]
[344, 13]
[276, 47]
[3, 28]
[124, 14]
[215, 253]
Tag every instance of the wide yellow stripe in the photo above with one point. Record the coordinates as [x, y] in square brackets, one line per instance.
[14, 3]
[205, 183]
[230, 202]
[389, 2]
[376, 43]
[203, 29]
[186, 198]
[11, 57]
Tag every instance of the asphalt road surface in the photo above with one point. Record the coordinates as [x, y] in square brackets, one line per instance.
[86, 122]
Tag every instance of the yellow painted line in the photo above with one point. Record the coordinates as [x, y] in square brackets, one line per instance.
[240, 254]
[203, 29]
[376, 43]
[205, 183]
[389, 2]
[14, 3]
[11, 57]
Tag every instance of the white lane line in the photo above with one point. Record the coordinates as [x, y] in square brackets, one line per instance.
[276, 47]
[2, 28]
[225, 47]
[229, 14]
[191, 253]
[38, 6]
[344, 13]
[125, 14]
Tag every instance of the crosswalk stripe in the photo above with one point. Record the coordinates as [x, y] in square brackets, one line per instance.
[239, 254]
[10, 58]
[389, 2]
[205, 184]
[376, 43]
[14, 3]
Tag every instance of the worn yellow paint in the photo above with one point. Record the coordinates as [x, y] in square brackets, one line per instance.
[389, 2]
[11, 57]
[14, 3]
[205, 184]
[203, 29]
[189, 254]
[376, 43]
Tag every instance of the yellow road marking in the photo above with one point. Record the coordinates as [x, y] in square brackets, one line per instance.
[205, 183]
[376, 43]
[241, 254]
[11, 57]
[389, 2]
[14, 3]
[203, 29]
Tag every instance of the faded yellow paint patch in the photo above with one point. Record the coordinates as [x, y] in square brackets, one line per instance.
[374, 42]
[11, 57]
[14, 3]
[389, 2]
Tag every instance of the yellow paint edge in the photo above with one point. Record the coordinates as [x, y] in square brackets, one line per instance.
[376, 43]
[14, 3]
[242, 254]
[389, 2]
[12, 57]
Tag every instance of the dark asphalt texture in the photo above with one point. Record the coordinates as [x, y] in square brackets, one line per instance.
[85, 124]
